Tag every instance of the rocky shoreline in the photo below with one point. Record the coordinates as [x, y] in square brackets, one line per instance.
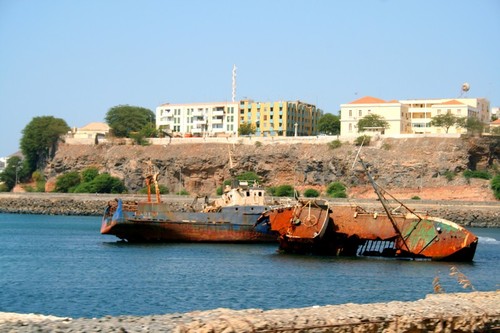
[467, 214]
[459, 312]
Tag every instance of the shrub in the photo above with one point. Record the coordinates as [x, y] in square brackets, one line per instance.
[336, 190]
[67, 182]
[258, 144]
[220, 189]
[450, 175]
[311, 193]
[415, 197]
[249, 176]
[495, 186]
[282, 191]
[362, 140]
[89, 174]
[334, 144]
[386, 146]
[163, 190]
[183, 192]
[482, 174]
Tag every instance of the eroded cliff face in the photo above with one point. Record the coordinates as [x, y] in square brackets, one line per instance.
[201, 168]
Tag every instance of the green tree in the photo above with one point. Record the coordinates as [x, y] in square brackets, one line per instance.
[495, 130]
[39, 140]
[446, 121]
[126, 119]
[329, 124]
[15, 171]
[473, 125]
[372, 120]
[246, 129]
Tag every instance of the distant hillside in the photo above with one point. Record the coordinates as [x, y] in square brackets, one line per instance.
[416, 166]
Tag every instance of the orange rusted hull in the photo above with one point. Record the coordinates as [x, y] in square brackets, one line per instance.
[351, 231]
[299, 227]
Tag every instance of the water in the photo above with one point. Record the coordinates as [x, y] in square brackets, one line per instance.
[63, 266]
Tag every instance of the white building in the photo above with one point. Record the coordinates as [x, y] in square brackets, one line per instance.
[412, 116]
[422, 110]
[198, 119]
[395, 113]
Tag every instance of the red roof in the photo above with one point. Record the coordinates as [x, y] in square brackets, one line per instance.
[368, 100]
[496, 122]
[452, 102]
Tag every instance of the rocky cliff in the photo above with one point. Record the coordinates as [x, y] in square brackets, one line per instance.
[408, 167]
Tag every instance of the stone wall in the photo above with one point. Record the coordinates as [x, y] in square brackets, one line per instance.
[460, 312]
[468, 214]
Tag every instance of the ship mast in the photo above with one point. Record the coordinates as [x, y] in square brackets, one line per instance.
[383, 201]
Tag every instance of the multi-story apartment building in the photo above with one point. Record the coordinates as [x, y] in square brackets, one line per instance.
[422, 110]
[222, 119]
[412, 116]
[198, 119]
[394, 112]
[283, 118]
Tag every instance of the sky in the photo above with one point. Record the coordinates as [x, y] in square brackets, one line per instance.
[76, 59]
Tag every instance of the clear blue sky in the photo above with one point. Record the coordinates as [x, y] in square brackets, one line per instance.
[76, 59]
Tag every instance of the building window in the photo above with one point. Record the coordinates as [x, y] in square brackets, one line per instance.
[360, 113]
[350, 127]
[350, 113]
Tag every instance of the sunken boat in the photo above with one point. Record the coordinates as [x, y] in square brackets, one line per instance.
[397, 232]
[230, 218]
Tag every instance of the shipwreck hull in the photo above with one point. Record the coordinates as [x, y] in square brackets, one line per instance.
[352, 231]
[300, 228]
[406, 235]
[152, 222]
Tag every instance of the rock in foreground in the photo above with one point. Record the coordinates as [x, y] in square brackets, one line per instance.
[460, 312]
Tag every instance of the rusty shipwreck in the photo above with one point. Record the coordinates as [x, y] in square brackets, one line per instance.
[230, 218]
[313, 226]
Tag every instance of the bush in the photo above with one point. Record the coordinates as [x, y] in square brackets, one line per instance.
[220, 189]
[163, 189]
[258, 144]
[334, 144]
[248, 176]
[67, 182]
[450, 175]
[89, 174]
[311, 193]
[183, 192]
[495, 186]
[482, 174]
[336, 190]
[415, 197]
[282, 191]
[362, 140]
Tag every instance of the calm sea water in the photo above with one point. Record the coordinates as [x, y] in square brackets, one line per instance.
[63, 266]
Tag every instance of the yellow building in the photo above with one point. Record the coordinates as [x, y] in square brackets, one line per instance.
[393, 112]
[282, 118]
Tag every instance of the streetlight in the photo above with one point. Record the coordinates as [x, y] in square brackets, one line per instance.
[18, 165]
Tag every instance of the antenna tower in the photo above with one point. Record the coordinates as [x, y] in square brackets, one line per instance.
[234, 83]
